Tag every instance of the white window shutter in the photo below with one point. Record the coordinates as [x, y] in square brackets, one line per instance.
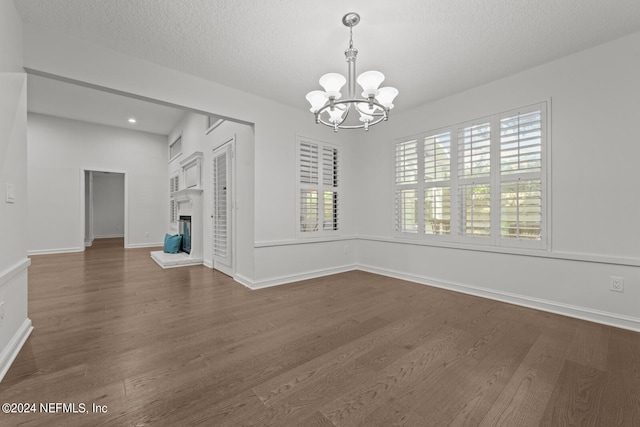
[437, 182]
[318, 188]
[521, 201]
[308, 163]
[474, 178]
[474, 151]
[407, 162]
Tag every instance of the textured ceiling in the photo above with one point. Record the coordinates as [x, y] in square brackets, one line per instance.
[278, 49]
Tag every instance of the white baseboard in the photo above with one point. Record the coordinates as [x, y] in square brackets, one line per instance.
[207, 263]
[583, 313]
[109, 236]
[282, 280]
[54, 251]
[10, 352]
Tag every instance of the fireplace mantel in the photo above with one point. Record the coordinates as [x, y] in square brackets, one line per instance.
[186, 195]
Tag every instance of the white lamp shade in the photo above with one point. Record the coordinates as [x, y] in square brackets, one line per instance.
[335, 115]
[317, 99]
[386, 95]
[365, 118]
[363, 108]
[369, 82]
[332, 83]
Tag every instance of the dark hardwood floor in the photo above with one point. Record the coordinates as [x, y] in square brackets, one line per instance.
[189, 346]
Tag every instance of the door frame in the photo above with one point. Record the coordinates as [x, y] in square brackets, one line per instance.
[83, 219]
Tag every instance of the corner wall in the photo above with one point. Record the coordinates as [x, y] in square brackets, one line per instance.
[595, 232]
[15, 326]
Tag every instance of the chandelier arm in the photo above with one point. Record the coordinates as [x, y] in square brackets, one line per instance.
[362, 126]
[355, 102]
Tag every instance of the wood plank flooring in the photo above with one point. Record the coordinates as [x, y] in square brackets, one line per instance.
[189, 346]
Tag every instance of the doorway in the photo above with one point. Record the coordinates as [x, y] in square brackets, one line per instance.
[104, 206]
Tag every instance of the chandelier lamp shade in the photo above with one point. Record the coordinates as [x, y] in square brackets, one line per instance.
[331, 109]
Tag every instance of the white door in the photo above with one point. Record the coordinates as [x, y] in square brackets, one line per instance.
[221, 209]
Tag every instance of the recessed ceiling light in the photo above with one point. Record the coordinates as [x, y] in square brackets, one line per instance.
[132, 120]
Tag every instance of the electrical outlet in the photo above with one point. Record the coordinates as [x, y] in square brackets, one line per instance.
[616, 284]
[346, 249]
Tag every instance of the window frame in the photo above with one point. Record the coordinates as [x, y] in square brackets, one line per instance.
[327, 181]
[495, 179]
[171, 145]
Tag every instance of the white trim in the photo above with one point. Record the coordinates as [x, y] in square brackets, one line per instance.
[540, 253]
[10, 352]
[54, 251]
[288, 242]
[11, 272]
[207, 263]
[108, 236]
[144, 245]
[583, 313]
[214, 125]
[283, 280]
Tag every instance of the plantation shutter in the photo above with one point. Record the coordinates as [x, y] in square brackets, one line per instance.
[174, 185]
[221, 208]
[330, 185]
[437, 183]
[309, 206]
[521, 174]
[474, 184]
[308, 163]
[318, 185]
[406, 206]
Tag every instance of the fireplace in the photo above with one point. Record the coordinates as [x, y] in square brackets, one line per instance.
[189, 226]
[184, 229]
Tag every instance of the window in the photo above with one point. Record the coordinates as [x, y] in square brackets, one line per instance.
[175, 148]
[318, 188]
[483, 181]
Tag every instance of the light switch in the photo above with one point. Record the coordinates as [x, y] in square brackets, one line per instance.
[11, 193]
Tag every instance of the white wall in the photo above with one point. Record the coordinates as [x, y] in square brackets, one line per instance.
[60, 149]
[108, 205]
[16, 326]
[595, 108]
[270, 197]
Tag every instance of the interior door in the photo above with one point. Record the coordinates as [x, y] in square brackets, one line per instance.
[221, 209]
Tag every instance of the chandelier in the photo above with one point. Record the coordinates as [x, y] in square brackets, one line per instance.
[331, 110]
